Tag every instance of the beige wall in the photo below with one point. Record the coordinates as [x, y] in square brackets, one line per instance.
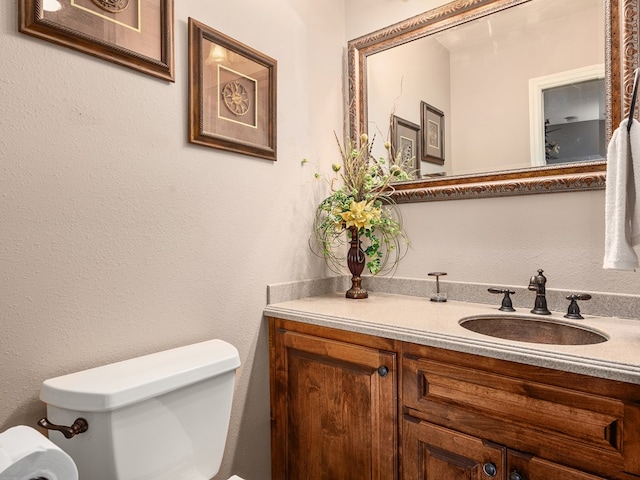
[119, 238]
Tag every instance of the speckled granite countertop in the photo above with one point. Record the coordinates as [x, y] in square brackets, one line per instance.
[417, 320]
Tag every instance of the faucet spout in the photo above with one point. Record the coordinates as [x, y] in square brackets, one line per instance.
[537, 283]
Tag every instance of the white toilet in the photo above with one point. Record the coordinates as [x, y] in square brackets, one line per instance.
[162, 416]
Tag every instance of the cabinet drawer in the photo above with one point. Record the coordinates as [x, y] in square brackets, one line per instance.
[552, 421]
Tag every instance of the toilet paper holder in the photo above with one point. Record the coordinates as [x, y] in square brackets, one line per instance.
[79, 426]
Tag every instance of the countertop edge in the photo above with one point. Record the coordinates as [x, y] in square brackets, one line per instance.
[516, 352]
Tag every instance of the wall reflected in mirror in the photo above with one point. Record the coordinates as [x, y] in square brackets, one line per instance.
[478, 74]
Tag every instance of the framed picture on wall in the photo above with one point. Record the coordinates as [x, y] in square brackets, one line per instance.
[432, 138]
[135, 33]
[405, 140]
[232, 94]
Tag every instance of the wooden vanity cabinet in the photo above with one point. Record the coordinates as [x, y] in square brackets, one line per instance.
[334, 404]
[352, 406]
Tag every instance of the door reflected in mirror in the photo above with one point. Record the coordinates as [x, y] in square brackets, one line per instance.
[567, 116]
[574, 123]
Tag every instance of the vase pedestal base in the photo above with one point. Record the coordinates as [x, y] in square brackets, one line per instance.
[356, 291]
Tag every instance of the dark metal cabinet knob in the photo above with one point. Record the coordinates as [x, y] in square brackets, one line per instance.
[574, 310]
[515, 476]
[383, 371]
[489, 469]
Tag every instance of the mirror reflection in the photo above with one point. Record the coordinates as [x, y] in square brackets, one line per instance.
[478, 75]
[574, 124]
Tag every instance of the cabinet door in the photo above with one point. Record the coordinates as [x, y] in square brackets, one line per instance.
[334, 409]
[521, 466]
[431, 452]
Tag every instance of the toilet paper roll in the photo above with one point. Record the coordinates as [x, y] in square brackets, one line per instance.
[26, 454]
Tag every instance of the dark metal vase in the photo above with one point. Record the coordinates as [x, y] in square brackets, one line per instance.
[355, 261]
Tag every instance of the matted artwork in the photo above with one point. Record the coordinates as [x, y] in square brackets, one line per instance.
[134, 33]
[405, 139]
[232, 94]
[432, 125]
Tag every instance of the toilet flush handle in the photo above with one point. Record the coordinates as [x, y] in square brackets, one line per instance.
[79, 426]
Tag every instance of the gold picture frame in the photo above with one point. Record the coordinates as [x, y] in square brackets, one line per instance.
[135, 33]
[232, 94]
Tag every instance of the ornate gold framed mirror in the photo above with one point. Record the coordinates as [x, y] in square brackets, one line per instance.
[614, 35]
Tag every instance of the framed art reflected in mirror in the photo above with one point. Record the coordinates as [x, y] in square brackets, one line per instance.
[432, 126]
[232, 94]
[406, 142]
[135, 33]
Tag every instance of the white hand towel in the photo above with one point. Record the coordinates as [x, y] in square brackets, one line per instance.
[622, 210]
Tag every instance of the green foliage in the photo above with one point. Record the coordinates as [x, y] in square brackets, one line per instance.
[365, 201]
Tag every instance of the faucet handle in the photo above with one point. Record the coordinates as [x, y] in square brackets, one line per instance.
[574, 310]
[506, 306]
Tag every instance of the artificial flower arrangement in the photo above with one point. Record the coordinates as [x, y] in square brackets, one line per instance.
[363, 205]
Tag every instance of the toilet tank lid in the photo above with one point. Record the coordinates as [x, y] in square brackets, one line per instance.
[119, 384]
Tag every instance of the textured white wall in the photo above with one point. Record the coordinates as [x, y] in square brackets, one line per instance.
[119, 238]
[504, 241]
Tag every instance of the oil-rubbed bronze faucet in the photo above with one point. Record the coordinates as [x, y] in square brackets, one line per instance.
[537, 283]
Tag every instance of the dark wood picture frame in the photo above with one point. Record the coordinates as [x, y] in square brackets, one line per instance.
[405, 138]
[144, 34]
[432, 138]
[232, 94]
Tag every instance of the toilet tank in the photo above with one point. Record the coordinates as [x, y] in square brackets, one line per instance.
[162, 416]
